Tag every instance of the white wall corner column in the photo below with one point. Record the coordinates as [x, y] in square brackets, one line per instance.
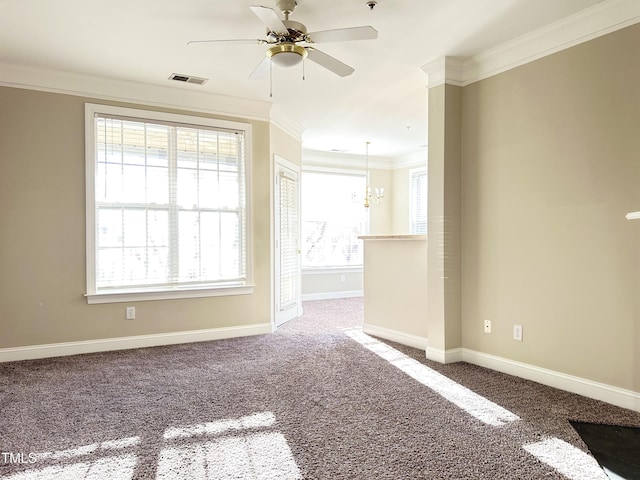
[444, 320]
[395, 286]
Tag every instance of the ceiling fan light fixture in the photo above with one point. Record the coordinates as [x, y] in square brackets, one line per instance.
[287, 54]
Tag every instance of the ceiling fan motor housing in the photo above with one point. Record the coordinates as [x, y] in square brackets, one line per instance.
[297, 32]
[287, 6]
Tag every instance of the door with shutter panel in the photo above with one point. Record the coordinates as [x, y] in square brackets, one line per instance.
[287, 241]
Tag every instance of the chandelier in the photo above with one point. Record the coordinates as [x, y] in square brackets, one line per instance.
[371, 195]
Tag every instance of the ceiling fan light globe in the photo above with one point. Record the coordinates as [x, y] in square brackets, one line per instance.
[287, 54]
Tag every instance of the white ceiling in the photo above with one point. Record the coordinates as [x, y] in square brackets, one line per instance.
[384, 101]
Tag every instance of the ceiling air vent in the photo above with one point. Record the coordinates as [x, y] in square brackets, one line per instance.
[187, 79]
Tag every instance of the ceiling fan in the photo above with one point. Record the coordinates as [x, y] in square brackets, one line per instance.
[290, 42]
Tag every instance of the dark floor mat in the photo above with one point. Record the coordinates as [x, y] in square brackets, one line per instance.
[616, 448]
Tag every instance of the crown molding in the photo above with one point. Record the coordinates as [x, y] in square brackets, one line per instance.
[415, 159]
[344, 160]
[447, 70]
[286, 122]
[178, 97]
[600, 19]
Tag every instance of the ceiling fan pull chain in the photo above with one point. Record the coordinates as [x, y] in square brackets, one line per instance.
[303, 77]
[270, 79]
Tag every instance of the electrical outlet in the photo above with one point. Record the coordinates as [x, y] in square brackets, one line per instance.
[517, 332]
[343, 279]
[131, 313]
[487, 326]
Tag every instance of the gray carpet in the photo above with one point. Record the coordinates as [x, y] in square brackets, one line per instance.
[316, 400]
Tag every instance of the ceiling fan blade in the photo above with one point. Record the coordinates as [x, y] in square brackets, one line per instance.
[270, 18]
[261, 70]
[246, 41]
[329, 62]
[344, 34]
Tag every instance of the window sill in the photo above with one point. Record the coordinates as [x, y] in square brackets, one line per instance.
[145, 295]
[330, 270]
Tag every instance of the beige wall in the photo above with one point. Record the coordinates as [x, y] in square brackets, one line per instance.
[338, 284]
[551, 165]
[42, 242]
[395, 282]
[285, 146]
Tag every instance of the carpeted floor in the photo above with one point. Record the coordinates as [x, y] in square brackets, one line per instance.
[316, 400]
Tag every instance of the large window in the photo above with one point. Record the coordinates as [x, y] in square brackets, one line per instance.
[332, 219]
[166, 205]
[418, 213]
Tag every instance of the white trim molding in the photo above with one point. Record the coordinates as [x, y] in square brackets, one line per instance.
[581, 386]
[449, 70]
[332, 295]
[125, 343]
[452, 355]
[286, 123]
[332, 270]
[180, 97]
[588, 24]
[402, 338]
[600, 19]
[349, 161]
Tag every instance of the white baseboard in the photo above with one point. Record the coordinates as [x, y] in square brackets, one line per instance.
[124, 343]
[452, 355]
[587, 388]
[407, 339]
[332, 295]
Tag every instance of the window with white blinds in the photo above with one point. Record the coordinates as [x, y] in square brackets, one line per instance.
[167, 203]
[418, 200]
[332, 219]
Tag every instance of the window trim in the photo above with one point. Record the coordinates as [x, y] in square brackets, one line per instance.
[170, 292]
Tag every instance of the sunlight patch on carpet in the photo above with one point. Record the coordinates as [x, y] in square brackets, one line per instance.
[243, 447]
[252, 456]
[120, 467]
[474, 404]
[88, 449]
[570, 461]
[257, 420]
[246, 447]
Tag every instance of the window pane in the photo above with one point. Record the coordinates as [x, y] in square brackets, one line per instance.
[229, 190]
[332, 220]
[230, 249]
[158, 228]
[158, 185]
[210, 241]
[135, 228]
[110, 227]
[133, 184]
[419, 202]
[135, 271]
[187, 188]
[189, 260]
[208, 189]
[109, 263]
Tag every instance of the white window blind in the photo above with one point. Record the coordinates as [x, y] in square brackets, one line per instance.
[418, 202]
[289, 269]
[332, 219]
[169, 204]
